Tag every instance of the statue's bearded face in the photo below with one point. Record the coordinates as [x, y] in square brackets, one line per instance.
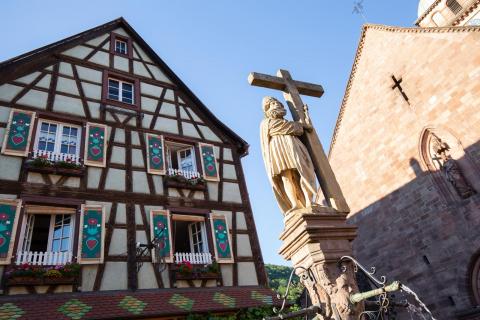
[276, 109]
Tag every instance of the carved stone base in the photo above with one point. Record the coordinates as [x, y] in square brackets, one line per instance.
[316, 241]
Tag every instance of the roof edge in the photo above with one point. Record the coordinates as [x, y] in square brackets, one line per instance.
[365, 29]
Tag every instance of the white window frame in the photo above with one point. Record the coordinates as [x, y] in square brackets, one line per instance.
[203, 235]
[58, 136]
[28, 231]
[177, 149]
[192, 154]
[120, 90]
[126, 46]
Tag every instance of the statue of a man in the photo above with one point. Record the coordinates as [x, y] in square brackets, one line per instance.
[287, 161]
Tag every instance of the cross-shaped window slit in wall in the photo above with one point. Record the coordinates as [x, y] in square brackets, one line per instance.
[399, 87]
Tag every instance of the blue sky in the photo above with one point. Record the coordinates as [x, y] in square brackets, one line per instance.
[212, 45]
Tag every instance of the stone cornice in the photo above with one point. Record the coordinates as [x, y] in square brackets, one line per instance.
[432, 6]
[365, 28]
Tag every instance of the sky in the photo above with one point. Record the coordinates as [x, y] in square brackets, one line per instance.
[212, 45]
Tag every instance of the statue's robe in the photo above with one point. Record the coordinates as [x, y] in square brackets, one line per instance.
[282, 150]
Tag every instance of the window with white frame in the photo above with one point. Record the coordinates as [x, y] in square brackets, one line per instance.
[121, 46]
[57, 138]
[190, 236]
[48, 233]
[181, 157]
[120, 91]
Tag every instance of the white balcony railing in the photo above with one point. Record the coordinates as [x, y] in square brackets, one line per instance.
[43, 258]
[193, 258]
[184, 173]
[54, 157]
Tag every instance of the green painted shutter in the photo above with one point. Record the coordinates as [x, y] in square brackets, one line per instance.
[19, 132]
[222, 240]
[160, 230]
[92, 234]
[9, 212]
[209, 162]
[155, 154]
[95, 145]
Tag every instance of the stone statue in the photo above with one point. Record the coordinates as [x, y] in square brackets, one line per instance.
[451, 169]
[287, 161]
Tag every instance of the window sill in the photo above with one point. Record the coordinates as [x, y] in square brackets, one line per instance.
[121, 104]
[197, 276]
[33, 281]
[70, 172]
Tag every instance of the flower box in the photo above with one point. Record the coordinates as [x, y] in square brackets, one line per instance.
[197, 276]
[170, 183]
[71, 172]
[34, 281]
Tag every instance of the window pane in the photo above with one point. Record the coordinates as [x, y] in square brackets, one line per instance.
[53, 128]
[113, 89]
[44, 126]
[72, 150]
[65, 245]
[50, 146]
[66, 130]
[66, 231]
[42, 145]
[56, 245]
[57, 232]
[64, 148]
[73, 132]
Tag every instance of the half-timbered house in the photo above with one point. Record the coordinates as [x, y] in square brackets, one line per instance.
[115, 176]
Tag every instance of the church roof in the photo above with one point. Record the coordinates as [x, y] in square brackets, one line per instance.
[367, 28]
[46, 55]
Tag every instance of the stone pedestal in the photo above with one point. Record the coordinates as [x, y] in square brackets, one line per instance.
[316, 240]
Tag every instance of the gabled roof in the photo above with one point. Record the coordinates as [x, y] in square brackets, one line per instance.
[47, 55]
[358, 56]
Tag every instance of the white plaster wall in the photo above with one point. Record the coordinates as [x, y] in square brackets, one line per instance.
[7, 196]
[241, 222]
[140, 183]
[100, 58]
[28, 78]
[247, 276]
[68, 105]
[172, 192]
[212, 191]
[115, 276]
[8, 92]
[121, 214]
[168, 109]
[149, 104]
[141, 236]
[138, 215]
[34, 98]
[227, 214]
[139, 68]
[118, 245]
[92, 91]
[4, 115]
[244, 248]
[169, 95]
[120, 63]
[119, 136]
[118, 155]
[146, 277]
[142, 53]
[34, 177]
[89, 272]
[190, 130]
[79, 52]
[194, 115]
[72, 182]
[135, 138]
[183, 113]
[151, 90]
[147, 119]
[93, 177]
[229, 171]
[166, 279]
[10, 167]
[208, 134]
[67, 86]
[231, 192]
[137, 158]
[121, 31]
[96, 41]
[227, 274]
[166, 125]
[89, 74]
[158, 184]
[65, 69]
[227, 154]
[199, 195]
[44, 82]
[158, 74]
[115, 180]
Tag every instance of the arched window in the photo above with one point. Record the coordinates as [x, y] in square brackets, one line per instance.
[443, 155]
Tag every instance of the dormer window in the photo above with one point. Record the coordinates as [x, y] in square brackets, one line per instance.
[121, 47]
[120, 91]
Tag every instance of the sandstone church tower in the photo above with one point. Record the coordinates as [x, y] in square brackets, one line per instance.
[406, 152]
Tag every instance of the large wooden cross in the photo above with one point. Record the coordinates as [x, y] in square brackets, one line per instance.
[291, 92]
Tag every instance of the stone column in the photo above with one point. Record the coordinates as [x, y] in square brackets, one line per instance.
[316, 241]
